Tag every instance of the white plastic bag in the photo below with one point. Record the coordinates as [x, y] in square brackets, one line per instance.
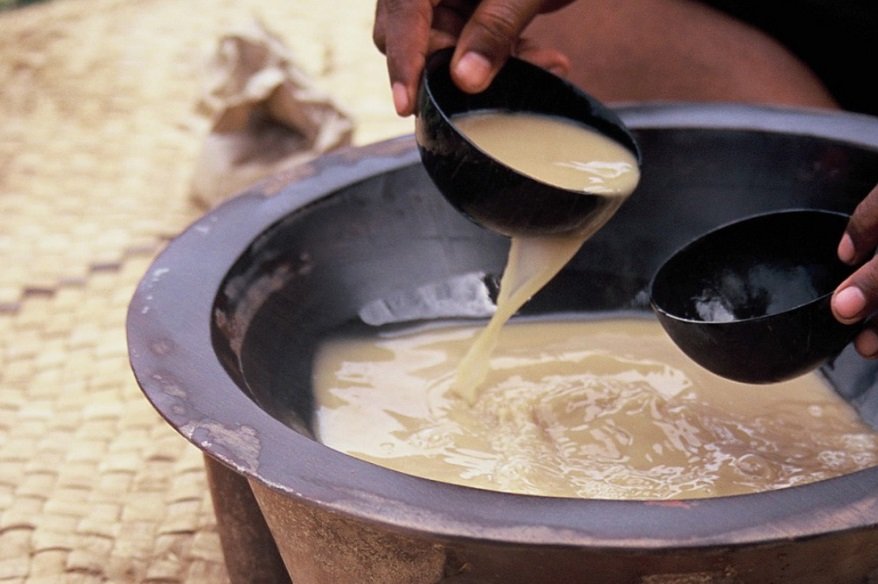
[265, 116]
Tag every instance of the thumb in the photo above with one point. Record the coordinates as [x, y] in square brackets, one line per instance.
[488, 39]
[857, 297]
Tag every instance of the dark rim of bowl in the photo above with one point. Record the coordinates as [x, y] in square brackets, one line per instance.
[172, 356]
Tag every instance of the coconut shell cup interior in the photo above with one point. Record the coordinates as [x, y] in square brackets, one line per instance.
[757, 291]
[223, 327]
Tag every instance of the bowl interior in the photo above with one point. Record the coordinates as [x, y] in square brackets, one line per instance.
[367, 255]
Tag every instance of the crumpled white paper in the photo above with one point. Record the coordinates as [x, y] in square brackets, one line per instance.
[265, 113]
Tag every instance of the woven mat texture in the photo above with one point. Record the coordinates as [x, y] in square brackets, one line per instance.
[98, 137]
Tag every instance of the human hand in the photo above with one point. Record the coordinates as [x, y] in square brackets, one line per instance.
[486, 33]
[857, 297]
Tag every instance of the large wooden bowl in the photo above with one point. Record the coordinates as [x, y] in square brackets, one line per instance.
[224, 324]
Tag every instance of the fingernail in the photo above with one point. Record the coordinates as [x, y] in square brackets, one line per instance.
[846, 251]
[867, 343]
[400, 98]
[849, 303]
[473, 69]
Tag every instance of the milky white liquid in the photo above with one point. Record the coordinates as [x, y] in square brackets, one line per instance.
[561, 153]
[553, 150]
[595, 409]
[603, 409]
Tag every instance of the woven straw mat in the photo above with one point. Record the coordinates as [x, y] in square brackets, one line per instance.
[98, 134]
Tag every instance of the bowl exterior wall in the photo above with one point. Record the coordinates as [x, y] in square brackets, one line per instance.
[320, 547]
[750, 352]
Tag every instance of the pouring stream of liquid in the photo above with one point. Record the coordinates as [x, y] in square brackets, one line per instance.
[562, 153]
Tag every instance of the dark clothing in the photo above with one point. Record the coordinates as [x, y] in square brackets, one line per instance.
[837, 39]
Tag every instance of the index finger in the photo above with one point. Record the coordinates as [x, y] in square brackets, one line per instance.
[402, 33]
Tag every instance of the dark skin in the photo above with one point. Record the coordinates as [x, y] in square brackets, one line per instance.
[487, 32]
[857, 297]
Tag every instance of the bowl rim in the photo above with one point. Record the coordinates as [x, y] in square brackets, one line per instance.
[696, 241]
[172, 357]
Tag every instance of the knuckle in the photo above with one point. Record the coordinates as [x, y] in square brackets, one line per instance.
[500, 24]
[379, 37]
[863, 226]
[866, 279]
